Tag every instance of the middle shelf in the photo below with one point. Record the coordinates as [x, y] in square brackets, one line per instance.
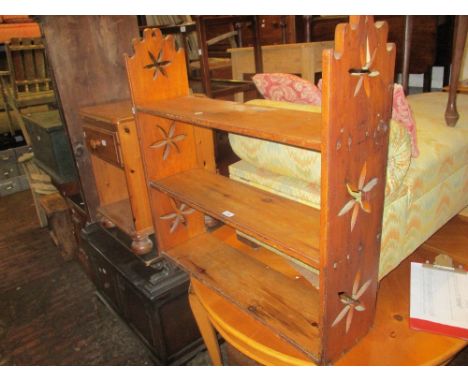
[290, 227]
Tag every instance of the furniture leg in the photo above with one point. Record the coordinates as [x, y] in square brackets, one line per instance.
[206, 329]
[141, 244]
[427, 81]
[20, 121]
[203, 53]
[451, 113]
[406, 52]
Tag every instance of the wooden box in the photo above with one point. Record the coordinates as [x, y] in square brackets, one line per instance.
[110, 135]
[50, 145]
[151, 299]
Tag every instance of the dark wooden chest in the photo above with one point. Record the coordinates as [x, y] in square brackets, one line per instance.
[50, 145]
[151, 299]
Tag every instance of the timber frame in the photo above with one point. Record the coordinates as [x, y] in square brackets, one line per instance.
[341, 241]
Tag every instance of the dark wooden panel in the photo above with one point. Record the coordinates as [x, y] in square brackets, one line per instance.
[424, 42]
[86, 56]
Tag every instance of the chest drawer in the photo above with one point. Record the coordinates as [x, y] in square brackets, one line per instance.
[16, 184]
[8, 170]
[103, 143]
[7, 157]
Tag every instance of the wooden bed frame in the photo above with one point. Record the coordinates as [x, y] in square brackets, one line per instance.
[341, 241]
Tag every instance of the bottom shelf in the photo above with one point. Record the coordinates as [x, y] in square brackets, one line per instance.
[283, 302]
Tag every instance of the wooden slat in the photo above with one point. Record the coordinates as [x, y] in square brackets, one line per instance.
[288, 226]
[290, 311]
[297, 128]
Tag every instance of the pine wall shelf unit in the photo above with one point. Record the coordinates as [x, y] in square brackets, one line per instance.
[340, 242]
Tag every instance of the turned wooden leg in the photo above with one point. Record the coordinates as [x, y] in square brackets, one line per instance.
[106, 223]
[461, 25]
[206, 329]
[141, 244]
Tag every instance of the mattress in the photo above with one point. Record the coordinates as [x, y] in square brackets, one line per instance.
[426, 193]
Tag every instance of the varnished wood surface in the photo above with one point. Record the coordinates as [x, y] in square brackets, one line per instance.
[290, 311]
[356, 115]
[113, 112]
[288, 226]
[297, 128]
[451, 239]
[111, 184]
[460, 32]
[120, 213]
[135, 176]
[390, 342]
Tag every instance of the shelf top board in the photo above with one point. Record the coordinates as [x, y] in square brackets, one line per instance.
[287, 306]
[291, 127]
[112, 112]
[288, 226]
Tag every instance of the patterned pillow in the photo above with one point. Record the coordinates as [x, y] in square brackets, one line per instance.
[288, 88]
[291, 88]
[402, 113]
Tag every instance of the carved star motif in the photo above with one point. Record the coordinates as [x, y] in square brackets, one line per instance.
[352, 302]
[357, 202]
[157, 64]
[178, 216]
[169, 140]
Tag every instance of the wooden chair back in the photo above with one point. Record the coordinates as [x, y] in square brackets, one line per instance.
[28, 66]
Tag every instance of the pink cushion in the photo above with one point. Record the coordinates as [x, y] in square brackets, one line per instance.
[287, 87]
[291, 88]
[402, 113]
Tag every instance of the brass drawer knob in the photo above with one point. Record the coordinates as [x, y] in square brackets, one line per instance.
[95, 143]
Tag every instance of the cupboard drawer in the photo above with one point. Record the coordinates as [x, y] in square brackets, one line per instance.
[103, 143]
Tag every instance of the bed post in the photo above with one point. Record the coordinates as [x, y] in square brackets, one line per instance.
[459, 39]
[356, 111]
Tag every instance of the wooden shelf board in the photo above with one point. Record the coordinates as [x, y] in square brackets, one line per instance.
[296, 128]
[119, 213]
[286, 305]
[290, 227]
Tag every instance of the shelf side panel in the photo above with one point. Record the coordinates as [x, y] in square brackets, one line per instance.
[356, 106]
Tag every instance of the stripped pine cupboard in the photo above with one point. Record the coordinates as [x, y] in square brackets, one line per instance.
[341, 241]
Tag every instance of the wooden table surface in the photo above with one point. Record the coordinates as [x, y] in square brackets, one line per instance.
[390, 341]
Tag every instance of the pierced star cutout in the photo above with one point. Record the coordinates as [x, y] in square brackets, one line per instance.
[357, 202]
[169, 140]
[178, 216]
[352, 302]
[365, 72]
[157, 64]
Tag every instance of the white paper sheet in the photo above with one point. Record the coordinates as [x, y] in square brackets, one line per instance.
[439, 295]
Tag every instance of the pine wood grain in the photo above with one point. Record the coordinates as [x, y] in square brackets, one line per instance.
[288, 226]
[390, 342]
[297, 128]
[120, 213]
[290, 311]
